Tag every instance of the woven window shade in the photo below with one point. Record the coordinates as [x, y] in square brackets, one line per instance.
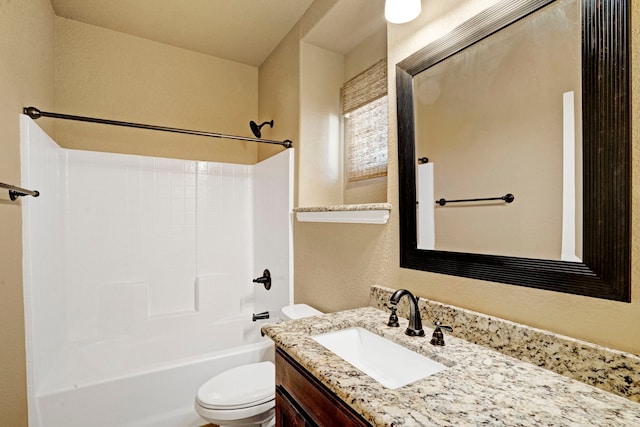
[366, 125]
[366, 133]
[367, 86]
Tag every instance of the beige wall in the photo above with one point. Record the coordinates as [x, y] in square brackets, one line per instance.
[336, 264]
[26, 77]
[106, 74]
[331, 259]
[368, 52]
[279, 94]
[321, 174]
[326, 256]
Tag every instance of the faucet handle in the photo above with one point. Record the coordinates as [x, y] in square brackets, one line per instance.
[393, 318]
[438, 324]
[265, 279]
[438, 337]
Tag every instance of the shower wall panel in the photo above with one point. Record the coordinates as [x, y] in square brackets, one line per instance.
[273, 231]
[43, 245]
[136, 221]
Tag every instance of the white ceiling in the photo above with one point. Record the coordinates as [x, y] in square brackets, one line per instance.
[244, 31]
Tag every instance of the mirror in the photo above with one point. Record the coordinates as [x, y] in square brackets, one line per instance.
[604, 268]
[511, 140]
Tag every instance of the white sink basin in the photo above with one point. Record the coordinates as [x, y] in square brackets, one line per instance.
[391, 364]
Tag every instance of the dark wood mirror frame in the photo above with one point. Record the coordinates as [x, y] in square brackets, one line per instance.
[606, 266]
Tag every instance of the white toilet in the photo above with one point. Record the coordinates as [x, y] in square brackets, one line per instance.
[245, 395]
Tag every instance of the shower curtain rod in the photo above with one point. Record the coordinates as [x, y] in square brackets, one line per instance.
[35, 114]
[15, 192]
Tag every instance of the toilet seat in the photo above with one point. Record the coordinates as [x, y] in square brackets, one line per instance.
[239, 388]
[245, 395]
[253, 415]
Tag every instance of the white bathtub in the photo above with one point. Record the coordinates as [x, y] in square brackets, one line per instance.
[146, 383]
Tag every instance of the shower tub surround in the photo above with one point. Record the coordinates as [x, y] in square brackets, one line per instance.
[480, 387]
[138, 279]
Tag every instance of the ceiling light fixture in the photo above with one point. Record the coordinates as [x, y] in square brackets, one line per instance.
[402, 11]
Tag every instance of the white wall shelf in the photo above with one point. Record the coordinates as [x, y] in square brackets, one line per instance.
[372, 213]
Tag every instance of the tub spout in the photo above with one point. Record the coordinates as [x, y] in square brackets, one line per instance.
[261, 316]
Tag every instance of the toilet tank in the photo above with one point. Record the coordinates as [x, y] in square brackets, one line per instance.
[298, 311]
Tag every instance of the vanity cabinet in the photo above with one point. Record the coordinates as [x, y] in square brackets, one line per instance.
[302, 400]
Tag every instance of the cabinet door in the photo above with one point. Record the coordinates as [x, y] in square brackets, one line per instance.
[311, 399]
[287, 414]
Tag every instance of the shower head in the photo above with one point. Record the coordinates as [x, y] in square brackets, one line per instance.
[255, 128]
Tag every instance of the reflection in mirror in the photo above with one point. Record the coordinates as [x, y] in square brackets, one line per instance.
[494, 119]
[604, 96]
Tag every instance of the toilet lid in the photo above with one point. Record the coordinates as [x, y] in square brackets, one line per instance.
[240, 387]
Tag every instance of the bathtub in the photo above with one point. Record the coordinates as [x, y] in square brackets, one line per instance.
[145, 382]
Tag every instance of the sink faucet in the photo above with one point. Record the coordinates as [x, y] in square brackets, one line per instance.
[415, 322]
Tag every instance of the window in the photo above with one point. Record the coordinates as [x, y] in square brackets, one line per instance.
[364, 106]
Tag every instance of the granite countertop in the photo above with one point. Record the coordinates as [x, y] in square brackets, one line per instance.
[481, 386]
[346, 208]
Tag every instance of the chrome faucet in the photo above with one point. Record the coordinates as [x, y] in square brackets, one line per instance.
[415, 322]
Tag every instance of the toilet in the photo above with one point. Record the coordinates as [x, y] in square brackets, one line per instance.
[245, 395]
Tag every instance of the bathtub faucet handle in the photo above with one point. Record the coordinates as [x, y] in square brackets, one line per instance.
[261, 316]
[265, 279]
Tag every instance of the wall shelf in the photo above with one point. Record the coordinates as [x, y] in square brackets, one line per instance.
[370, 213]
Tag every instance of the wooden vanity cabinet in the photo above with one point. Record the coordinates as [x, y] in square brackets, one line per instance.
[302, 400]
